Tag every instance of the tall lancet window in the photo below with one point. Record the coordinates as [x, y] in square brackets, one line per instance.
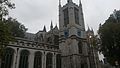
[76, 12]
[23, 62]
[80, 47]
[66, 17]
[38, 60]
[7, 60]
[49, 62]
[58, 61]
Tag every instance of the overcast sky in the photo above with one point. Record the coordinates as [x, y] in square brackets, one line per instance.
[34, 14]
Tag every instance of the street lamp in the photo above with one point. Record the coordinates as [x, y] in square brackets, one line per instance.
[116, 64]
[92, 49]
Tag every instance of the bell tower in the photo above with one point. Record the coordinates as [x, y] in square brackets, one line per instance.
[72, 35]
[71, 18]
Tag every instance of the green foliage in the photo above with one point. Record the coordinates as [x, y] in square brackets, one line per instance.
[16, 28]
[109, 34]
[5, 37]
[4, 6]
[9, 28]
[5, 34]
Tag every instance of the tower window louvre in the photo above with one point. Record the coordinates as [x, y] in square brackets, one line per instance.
[66, 17]
[76, 12]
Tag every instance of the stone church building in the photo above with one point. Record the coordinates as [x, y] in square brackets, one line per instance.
[63, 47]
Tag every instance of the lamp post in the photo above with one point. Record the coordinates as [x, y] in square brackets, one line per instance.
[92, 49]
[116, 64]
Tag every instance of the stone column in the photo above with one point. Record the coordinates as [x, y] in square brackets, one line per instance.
[54, 60]
[86, 53]
[31, 59]
[44, 60]
[88, 62]
[17, 59]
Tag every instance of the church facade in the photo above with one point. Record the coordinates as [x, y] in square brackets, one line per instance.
[66, 47]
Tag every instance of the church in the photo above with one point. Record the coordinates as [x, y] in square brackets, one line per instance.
[63, 47]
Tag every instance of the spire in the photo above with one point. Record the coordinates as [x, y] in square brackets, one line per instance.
[80, 3]
[44, 29]
[51, 26]
[59, 2]
[56, 27]
[59, 5]
[92, 30]
[88, 29]
[69, 1]
[100, 25]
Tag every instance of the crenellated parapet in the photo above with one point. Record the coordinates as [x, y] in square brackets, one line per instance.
[24, 43]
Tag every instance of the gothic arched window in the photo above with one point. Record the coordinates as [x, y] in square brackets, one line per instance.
[76, 12]
[66, 17]
[23, 62]
[49, 62]
[7, 60]
[80, 47]
[38, 60]
[58, 61]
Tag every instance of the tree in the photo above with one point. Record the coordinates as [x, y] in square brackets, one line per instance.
[5, 35]
[109, 34]
[4, 6]
[9, 27]
[17, 29]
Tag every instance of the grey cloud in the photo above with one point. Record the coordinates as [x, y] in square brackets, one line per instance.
[97, 11]
[37, 13]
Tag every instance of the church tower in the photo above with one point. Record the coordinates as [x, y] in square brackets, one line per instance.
[72, 36]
